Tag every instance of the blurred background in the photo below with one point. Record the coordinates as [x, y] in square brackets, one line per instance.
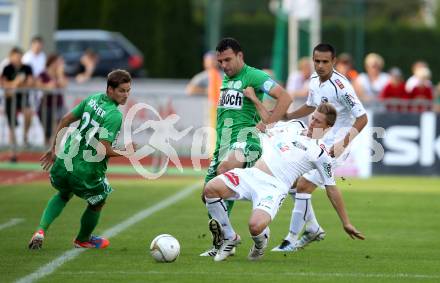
[387, 49]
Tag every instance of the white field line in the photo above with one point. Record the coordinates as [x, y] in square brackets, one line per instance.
[10, 223]
[115, 230]
[247, 274]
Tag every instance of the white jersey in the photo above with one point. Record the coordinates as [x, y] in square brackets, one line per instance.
[36, 61]
[340, 93]
[289, 154]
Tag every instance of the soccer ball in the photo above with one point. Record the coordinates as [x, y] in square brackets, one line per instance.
[165, 248]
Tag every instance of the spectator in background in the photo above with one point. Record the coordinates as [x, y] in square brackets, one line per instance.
[413, 81]
[344, 65]
[394, 95]
[422, 93]
[14, 78]
[87, 65]
[198, 85]
[51, 108]
[368, 85]
[298, 81]
[208, 83]
[436, 107]
[35, 56]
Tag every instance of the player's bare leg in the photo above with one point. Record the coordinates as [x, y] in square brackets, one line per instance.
[260, 233]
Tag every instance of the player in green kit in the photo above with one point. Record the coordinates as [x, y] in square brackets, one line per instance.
[79, 169]
[238, 144]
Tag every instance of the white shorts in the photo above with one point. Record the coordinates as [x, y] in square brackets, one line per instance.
[265, 191]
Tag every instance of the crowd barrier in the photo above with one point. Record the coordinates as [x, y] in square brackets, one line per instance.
[392, 143]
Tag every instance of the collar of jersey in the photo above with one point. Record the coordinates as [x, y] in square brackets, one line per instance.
[239, 73]
[108, 99]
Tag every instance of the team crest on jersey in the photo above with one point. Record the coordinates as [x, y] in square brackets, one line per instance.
[324, 99]
[339, 83]
[327, 169]
[230, 98]
[238, 84]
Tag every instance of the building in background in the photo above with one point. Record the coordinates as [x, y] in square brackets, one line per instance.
[20, 20]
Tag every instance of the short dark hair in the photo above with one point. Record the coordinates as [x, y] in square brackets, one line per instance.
[16, 49]
[37, 38]
[228, 42]
[117, 77]
[329, 111]
[325, 47]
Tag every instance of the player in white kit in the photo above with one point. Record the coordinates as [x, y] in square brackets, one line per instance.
[326, 85]
[289, 151]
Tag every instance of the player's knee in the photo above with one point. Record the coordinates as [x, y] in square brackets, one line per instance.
[97, 207]
[210, 190]
[65, 197]
[305, 186]
[256, 227]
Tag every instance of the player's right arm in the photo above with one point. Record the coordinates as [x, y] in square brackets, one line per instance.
[48, 158]
[303, 111]
[249, 92]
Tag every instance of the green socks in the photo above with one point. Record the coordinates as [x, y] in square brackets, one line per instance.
[89, 220]
[54, 207]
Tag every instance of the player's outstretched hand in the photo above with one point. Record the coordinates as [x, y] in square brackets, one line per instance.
[47, 160]
[249, 92]
[353, 232]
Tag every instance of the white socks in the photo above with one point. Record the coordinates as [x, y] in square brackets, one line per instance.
[261, 240]
[302, 212]
[218, 210]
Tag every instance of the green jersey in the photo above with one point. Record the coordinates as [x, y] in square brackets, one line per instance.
[237, 117]
[100, 120]
[233, 105]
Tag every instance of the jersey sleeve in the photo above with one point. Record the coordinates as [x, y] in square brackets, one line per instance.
[324, 166]
[78, 110]
[7, 72]
[261, 81]
[349, 99]
[27, 70]
[112, 123]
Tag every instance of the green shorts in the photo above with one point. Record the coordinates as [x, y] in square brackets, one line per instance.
[66, 182]
[251, 150]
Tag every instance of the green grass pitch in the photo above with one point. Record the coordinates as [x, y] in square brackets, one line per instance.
[399, 216]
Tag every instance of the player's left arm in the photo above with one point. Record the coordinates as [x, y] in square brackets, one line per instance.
[350, 101]
[111, 152]
[112, 125]
[324, 166]
[261, 81]
[282, 104]
[358, 125]
[335, 197]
